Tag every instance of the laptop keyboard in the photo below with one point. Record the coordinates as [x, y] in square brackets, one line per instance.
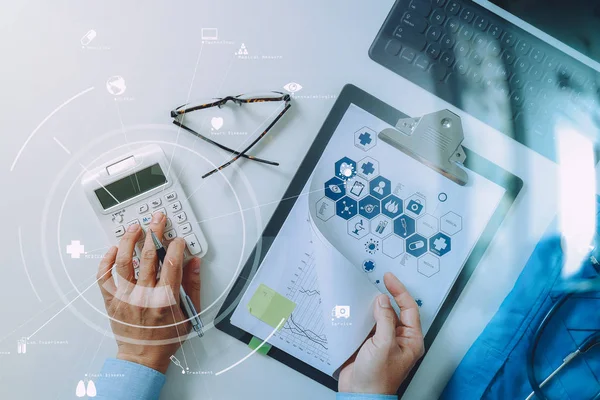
[491, 69]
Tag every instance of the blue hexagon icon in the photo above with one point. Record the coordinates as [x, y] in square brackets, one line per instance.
[345, 168]
[380, 187]
[335, 189]
[391, 206]
[404, 226]
[369, 207]
[440, 244]
[416, 245]
[346, 207]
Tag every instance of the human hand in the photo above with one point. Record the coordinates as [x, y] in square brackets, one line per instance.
[386, 358]
[146, 317]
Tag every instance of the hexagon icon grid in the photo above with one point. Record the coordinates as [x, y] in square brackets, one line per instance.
[345, 168]
[451, 223]
[404, 226]
[365, 138]
[325, 208]
[382, 226]
[357, 187]
[358, 227]
[392, 246]
[428, 265]
[440, 244]
[392, 206]
[416, 245]
[335, 189]
[368, 168]
[415, 206]
[427, 225]
[369, 207]
[380, 187]
[346, 207]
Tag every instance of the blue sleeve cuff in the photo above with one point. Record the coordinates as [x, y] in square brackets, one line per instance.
[124, 380]
[365, 396]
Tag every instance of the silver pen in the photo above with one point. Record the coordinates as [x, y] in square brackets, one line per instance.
[186, 302]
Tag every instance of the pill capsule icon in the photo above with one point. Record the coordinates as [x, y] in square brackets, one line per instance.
[419, 244]
[88, 37]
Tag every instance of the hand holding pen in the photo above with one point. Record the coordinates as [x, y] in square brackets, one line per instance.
[147, 315]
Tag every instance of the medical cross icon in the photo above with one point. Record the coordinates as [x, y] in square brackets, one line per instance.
[367, 168]
[364, 138]
[75, 249]
[440, 244]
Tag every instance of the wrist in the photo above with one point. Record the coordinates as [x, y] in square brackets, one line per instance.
[158, 365]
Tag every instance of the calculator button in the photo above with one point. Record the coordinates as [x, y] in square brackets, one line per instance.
[161, 210]
[185, 228]
[192, 244]
[169, 223]
[155, 203]
[142, 208]
[146, 219]
[135, 261]
[170, 234]
[119, 231]
[171, 196]
[181, 217]
[134, 222]
[136, 274]
[174, 207]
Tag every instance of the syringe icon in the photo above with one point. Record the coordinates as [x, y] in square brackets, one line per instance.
[178, 363]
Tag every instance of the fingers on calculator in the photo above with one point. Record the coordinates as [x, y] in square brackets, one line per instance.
[124, 261]
[172, 268]
[149, 259]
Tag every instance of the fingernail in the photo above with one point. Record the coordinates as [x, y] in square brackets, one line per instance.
[196, 267]
[157, 217]
[384, 301]
[133, 228]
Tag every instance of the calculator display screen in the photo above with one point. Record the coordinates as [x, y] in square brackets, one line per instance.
[131, 186]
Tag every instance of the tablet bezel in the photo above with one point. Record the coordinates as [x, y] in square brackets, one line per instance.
[353, 95]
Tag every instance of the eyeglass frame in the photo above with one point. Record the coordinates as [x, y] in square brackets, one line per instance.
[180, 112]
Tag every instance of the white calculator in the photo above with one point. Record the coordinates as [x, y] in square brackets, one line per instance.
[130, 188]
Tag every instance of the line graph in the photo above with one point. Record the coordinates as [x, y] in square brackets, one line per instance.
[305, 328]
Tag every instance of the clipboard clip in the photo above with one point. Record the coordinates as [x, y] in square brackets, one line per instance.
[435, 140]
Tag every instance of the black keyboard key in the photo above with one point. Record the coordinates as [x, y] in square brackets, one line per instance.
[414, 21]
[475, 75]
[481, 23]
[517, 98]
[502, 89]
[536, 73]
[494, 49]
[480, 42]
[476, 58]
[509, 39]
[462, 49]
[522, 65]
[448, 41]
[517, 82]
[437, 17]
[439, 3]
[489, 67]
[537, 55]
[509, 57]
[410, 38]
[495, 31]
[453, 25]
[453, 8]
[422, 63]
[434, 33]
[447, 58]
[564, 71]
[461, 67]
[502, 73]
[550, 79]
[523, 48]
[466, 33]
[531, 89]
[439, 72]
[420, 6]
[393, 47]
[467, 15]
[550, 64]
[408, 55]
[434, 50]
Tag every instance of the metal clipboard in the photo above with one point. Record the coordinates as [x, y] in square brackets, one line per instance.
[435, 140]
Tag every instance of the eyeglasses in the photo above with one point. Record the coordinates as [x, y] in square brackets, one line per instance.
[179, 113]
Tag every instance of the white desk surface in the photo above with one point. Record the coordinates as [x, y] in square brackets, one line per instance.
[155, 46]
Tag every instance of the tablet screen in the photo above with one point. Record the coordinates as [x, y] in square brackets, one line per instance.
[367, 208]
